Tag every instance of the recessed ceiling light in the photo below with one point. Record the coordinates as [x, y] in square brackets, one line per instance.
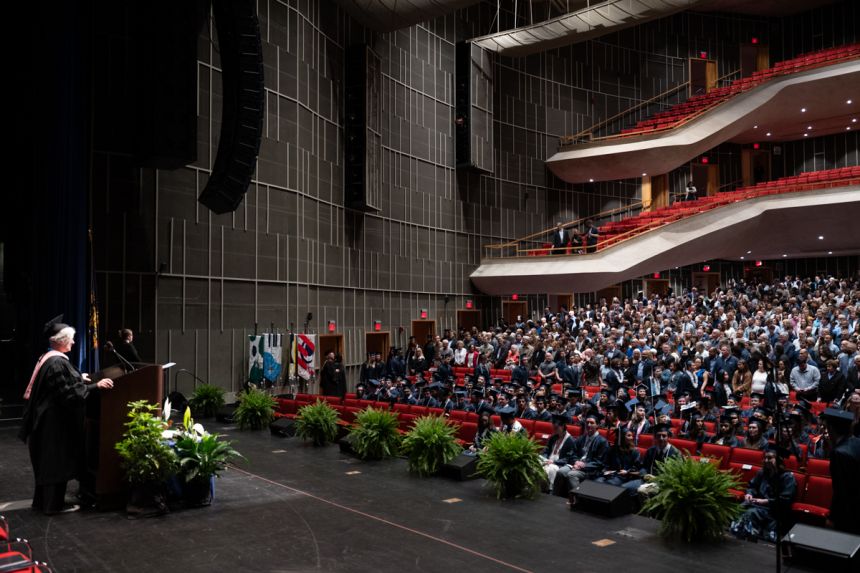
[808, 127]
[644, 175]
[829, 252]
[784, 255]
[849, 102]
[591, 180]
[803, 110]
[805, 135]
[768, 134]
[742, 258]
[820, 237]
[749, 252]
[755, 127]
[854, 120]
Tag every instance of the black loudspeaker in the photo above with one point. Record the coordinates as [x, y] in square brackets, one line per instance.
[225, 413]
[345, 444]
[283, 427]
[461, 468]
[241, 52]
[163, 81]
[463, 104]
[361, 126]
[602, 498]
[822, 547]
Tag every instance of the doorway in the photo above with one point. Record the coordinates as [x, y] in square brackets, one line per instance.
[703, 76]
[706, 282]
[331, 343]
[655, 192]
[378, 342]
[754, 58]
[513, 308]
[423, 328]
[706, 178]
[655, 286]
[755, 166]
[467, 319]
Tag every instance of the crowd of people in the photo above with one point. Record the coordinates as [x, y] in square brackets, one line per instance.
[743, 357]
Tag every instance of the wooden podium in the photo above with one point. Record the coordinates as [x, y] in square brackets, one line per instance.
[106, 419]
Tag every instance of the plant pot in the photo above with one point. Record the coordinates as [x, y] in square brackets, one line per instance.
[198, 492]
[147, 500]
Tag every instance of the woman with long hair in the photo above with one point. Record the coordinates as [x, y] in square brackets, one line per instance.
[622, 461]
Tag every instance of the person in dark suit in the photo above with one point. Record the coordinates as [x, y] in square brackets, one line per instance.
[328, 378]
[590, 454]
[560, 240]
[844, 471]
[661, 451]
[832, 385]
[559, 449]
[591, 236]
[125, 347]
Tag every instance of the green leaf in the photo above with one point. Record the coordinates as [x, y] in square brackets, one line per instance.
[317, 422]
[375, 434]
[429, 444]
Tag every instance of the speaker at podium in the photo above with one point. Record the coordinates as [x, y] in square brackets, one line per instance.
[107, 413]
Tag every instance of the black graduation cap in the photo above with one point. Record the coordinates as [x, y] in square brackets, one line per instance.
[477, 392]
[373, 382]
[763, 410]
[436, 386]
[840, 418]
[562, 419]
[460, 393]
[492, 392]
[486, 408]
[642, 387]
[497, 380]
[598, 417]
[54, 326]
[758, 395]
[725, 419]
[506, 411]
[662, 428]
[554, 396]
[574, 393]
[696, 416]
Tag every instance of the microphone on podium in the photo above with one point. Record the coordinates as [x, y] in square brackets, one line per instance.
[109, 347]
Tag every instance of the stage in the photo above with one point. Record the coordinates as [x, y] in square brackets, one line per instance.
[292, 507]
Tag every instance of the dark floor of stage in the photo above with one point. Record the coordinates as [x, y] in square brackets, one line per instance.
[300, 508]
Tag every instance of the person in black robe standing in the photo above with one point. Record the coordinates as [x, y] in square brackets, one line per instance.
[328, 381]
[845, 471]
[53, 422]
[126, 348]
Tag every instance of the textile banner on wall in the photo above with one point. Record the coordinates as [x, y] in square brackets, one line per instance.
[265, 353]
[305, 349]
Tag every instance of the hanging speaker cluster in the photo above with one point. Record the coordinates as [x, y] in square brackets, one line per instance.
[241, 52]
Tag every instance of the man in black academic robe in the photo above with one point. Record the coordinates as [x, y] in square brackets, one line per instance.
[328, 376]
[767, 501]
[844, 471]
[589, 456]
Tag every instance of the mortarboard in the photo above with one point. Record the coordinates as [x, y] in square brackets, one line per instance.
[662, 428]
[562, 419]
[840, 418]
[630, 404]
[54, 326]
[506, 411]
[662, 407]
[598, 417]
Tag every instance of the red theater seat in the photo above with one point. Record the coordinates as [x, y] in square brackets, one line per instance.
[814, 506]
[816, 467]
[747, 456]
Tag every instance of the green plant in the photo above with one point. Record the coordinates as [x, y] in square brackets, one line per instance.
[145, 455]
[256, 410]
[694, 502]
[511, 463]
[200, 453]
[375, 435]
[430, 443]
[206, 400]
[317, 422]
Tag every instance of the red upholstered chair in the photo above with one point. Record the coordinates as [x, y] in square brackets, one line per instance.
[816, 467]
[418, 410]
[687, 447]
[458, 415]
[529, 425]
[542, 431]
[814, 507]
[745, 472]
[646, 440]
[404, 408]
[466, 432]
[405, 421]
[747, 456]
[435, 411]
[574, 430]
[332, 399]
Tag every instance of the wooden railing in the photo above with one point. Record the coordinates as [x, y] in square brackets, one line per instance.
[515, 247]
[588, 134]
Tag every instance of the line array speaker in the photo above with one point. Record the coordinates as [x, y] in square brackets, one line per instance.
[241, 53]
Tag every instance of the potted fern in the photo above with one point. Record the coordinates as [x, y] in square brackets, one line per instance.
[256, 410]
[374, 435]
[317, 422]
[511, 463]
[694, 501]
[206, 400]
[431, 443]
[146, 458]
[202, 456]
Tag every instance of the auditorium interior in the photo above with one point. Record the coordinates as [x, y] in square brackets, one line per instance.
[268, 193]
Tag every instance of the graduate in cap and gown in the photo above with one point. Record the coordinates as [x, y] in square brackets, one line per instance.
[844, 470]
[767, 501]
[559, 450]
[53, 421]
[590, 455]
